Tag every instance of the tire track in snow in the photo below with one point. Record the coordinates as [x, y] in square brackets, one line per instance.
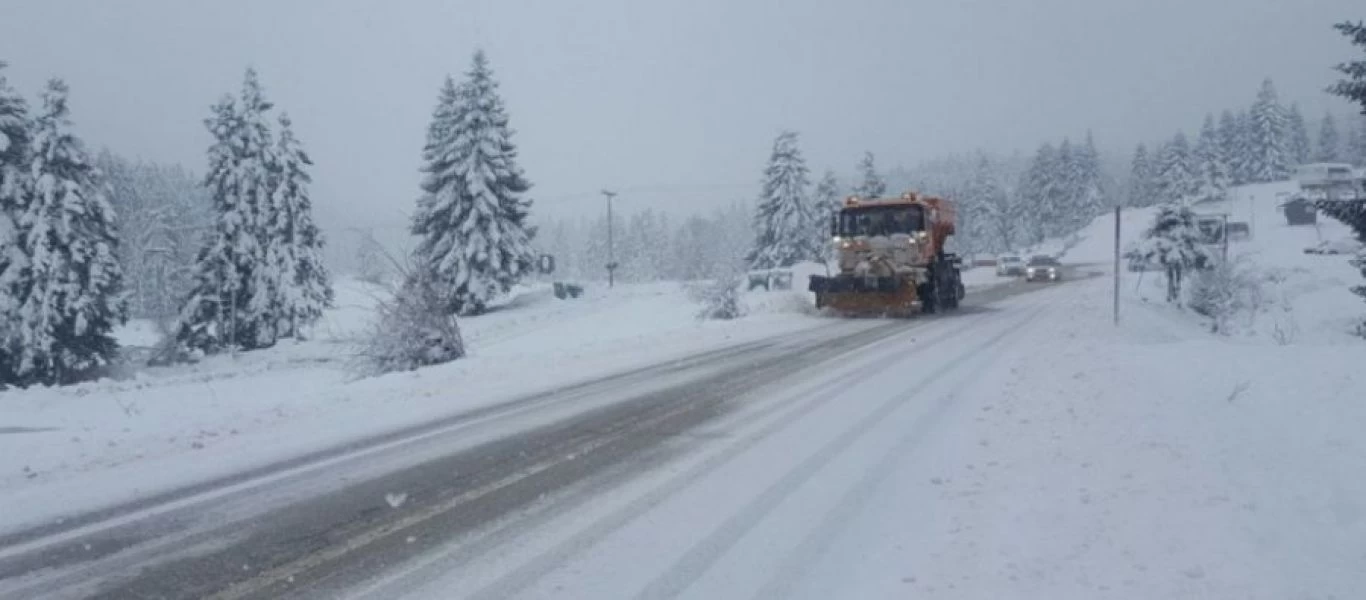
[790, 409]
[798, 562]
[704, 554]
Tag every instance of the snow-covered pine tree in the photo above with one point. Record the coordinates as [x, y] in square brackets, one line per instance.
[1236, 140]
[825, 201]
[997, 223]
[1229, 139]
[636, 248]
[472, 216]
[75, 297]
[1175, 174]
[1038, 189]
[14, 273]
[1061, 205]
[1141, 189]
[871, 184]
[690, 251]
[1301, 150]
[657, 246]
[1173, 241]
[783, 219]
[232, 299]
[371, 266]
[1088, 195]
[1212, 178]
[293, 243]
[1355, 152]
[162, 211]
[1330, 143]
[1271, 155]
[1353, 87]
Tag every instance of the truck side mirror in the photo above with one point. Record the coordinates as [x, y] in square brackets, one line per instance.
[834, 224]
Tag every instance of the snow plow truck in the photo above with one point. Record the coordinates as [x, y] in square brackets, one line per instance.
[891, 258]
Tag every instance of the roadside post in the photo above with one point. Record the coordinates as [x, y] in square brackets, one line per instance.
[1117, 210]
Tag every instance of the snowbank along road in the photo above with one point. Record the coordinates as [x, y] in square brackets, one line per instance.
[637, 484]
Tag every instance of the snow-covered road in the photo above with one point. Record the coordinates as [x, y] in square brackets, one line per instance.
[784, 496]
[326, 523]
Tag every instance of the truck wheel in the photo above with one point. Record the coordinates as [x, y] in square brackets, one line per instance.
[929, 301]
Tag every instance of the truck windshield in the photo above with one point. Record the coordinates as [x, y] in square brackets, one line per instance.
[879, 220]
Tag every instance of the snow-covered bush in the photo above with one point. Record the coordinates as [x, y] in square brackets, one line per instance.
[720, 298]
[1173, 241]
[370, 264]
[1224, 292]
[413, 327]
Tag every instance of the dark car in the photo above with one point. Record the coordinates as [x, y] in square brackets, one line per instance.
[1043, 268]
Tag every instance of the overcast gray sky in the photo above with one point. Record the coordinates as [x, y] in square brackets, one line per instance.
[673, 101]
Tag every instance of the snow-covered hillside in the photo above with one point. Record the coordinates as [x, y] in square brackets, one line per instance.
[1305, 295]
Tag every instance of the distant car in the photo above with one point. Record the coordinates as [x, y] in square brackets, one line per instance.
[1009, 266]
[1043, 268]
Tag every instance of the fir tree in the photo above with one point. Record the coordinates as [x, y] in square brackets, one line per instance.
[235, 294]
[1231, 146]
[14, 272]
[1175, 173]
[995, 218]
[472, 215]
[1057, 206]
[1353, 87]
[1270, 138]
[1242, 159]
[1330, 145]
[872, 185]
[1173, 241]
[1088, 191]
[75, 296]
[1356, 143]
[825, 203]
[1039, 189]
[1212, 178]
[783, 220]
[1301, 151]
[1141, 184]
[293, 242]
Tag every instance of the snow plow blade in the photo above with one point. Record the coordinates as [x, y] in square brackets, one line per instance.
[865, 296]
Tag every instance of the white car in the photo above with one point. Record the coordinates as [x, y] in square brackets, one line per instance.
[1009, 266]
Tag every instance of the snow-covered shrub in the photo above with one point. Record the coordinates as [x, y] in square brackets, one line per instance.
[1173, 241]
[1225, 291]
[370, 264]
[413, 327]
[720, 298]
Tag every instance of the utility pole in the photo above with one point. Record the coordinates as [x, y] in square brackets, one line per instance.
[611, 256]
[1117, 209]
